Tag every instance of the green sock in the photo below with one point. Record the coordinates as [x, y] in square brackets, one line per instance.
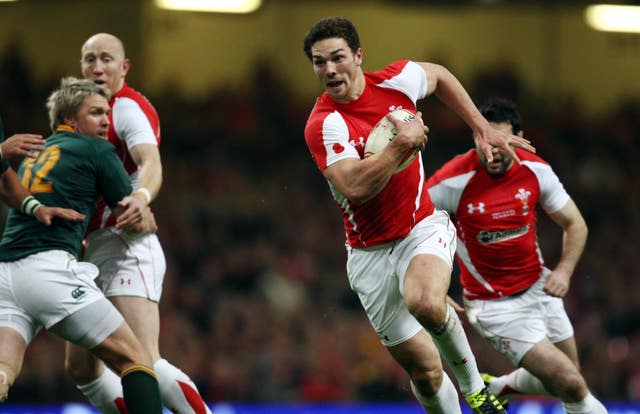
[141, 392]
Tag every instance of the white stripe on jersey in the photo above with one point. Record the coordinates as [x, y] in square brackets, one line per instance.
[446, 194]
[335, 131]
[412, 74]
[420, 189]
[131, 122]
[463, 255]
[553, 196]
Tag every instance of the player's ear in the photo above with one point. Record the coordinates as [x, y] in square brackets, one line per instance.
[73, 123]
[358, 56]
[126, 65]
[520, 134]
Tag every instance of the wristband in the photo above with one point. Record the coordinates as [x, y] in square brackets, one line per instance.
[29, 205]
[144, 191]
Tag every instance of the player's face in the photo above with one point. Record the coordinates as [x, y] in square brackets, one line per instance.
[92, 117]
[337, 67]
[103, 62]
[501, 160]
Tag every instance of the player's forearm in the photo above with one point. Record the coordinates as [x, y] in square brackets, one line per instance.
[362, 180]
[573, 241]
[11, 190]
[150, 178]
[147, 159]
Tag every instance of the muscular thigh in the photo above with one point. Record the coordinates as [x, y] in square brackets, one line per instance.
[142, 315]
[371, 275]
[130, 264]
[432, 239]
[545, 359]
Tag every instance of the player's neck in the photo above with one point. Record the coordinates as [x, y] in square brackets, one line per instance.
[357, 89]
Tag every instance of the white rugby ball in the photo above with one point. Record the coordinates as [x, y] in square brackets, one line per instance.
[384, 132]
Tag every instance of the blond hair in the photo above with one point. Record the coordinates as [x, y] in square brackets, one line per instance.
[65, 102]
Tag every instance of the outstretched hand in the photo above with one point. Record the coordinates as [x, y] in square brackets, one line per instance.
[22, 145]
[45, 214]
[489, 137]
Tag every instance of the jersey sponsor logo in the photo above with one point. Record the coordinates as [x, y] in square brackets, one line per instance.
[393, 108]
[78, 292]
[471, 208]
[523, 196]
[490, 237]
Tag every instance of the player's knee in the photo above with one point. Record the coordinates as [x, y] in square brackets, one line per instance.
[427, 381]
[7, 376]
[430, 311]
[78, 371]
[570, 385]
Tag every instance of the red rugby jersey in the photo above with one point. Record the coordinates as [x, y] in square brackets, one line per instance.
[495, 219]
[133, 121]
[337, 131]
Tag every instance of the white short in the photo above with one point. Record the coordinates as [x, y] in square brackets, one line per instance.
[130, 264]
[45, 288]
[514, 324]
[377, 274]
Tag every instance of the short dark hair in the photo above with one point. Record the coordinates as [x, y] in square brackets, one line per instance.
[502, 110]
[330, 27]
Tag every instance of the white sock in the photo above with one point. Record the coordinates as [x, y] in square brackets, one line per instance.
[454, 347]
[105, 393]
[590, 405]
[444, 402]
[178, 392]
[519, 381]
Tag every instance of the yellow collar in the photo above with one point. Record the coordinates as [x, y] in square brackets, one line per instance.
[64, 127]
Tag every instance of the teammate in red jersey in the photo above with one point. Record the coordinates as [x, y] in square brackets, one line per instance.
[400, 250]
[132, 265]
[510, 297]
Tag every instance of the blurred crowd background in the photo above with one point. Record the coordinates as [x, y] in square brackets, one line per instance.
[256, 306]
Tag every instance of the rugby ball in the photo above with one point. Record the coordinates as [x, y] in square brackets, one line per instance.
[384, 132]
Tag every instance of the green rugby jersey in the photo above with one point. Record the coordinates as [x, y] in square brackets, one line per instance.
[73, 171]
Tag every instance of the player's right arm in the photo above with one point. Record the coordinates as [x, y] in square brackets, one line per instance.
[128, 207]
[451, 92]
[574, 238]
[147, 158]
[361, 180]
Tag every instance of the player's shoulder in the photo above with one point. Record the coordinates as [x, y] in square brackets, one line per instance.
[129, 96]
[83, 146]
[89, 141]
[323, 107]
[529, 157]
[391, 70]
[459, 165]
